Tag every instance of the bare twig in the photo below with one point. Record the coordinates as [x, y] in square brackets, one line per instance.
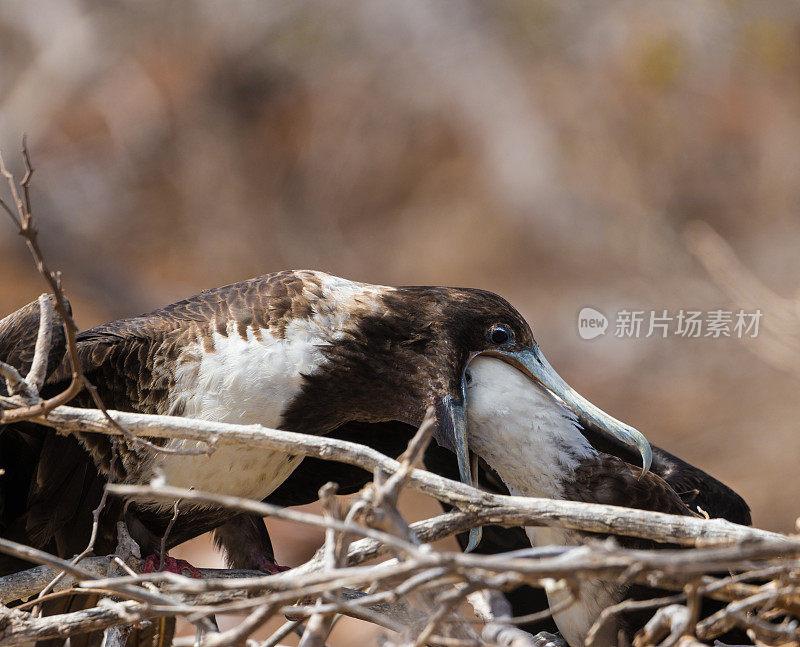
[282, 632]
[495, 612]
[480, 508]
[32, 554]
[672, 621]
[27, 229]
[33, 405]
[320, 624]
[38, 370]
[16, 384]
[92, 538]
[165, 536]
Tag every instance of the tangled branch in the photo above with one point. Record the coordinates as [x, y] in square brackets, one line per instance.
[411, 590]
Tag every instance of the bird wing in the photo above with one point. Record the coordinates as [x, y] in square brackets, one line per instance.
[696, 488]
[609, 480]
[51, 484]
[126, 358]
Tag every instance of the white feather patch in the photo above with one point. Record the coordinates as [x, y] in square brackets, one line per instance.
[532, 441]
[521, 430]
[253, 380]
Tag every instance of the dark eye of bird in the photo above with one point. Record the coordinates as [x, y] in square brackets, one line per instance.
[500, 335]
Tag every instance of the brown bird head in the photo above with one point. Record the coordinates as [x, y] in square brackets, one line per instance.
[410, 352]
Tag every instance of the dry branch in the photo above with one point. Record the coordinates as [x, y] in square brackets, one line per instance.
[488, 508]
[22, 217]
[416, 591]
[421, 569]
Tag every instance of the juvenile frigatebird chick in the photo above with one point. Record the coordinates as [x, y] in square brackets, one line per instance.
[541, 448]
[299, 350]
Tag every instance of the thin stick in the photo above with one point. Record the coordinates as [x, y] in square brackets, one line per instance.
[38, 371]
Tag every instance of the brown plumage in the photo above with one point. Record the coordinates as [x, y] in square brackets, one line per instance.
[700, 491]
[611, 481]
[388, 354]
[371, 360]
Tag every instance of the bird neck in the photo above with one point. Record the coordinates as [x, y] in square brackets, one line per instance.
[527, 436]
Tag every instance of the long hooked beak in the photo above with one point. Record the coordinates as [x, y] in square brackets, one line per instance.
[452, 416]
[532, 363]
[452, 432]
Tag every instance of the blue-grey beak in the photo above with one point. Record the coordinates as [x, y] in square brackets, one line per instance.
[534, 365]
[452, 416]
[452, 432]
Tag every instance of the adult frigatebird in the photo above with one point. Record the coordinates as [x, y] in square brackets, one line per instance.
[237, 354]
[299, 350]
[541, 448]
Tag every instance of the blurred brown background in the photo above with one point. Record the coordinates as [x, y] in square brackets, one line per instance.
[554, 152]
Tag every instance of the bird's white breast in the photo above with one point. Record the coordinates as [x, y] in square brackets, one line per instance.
[528, 437]
[241, 381]
[228, 378]
[533, 442]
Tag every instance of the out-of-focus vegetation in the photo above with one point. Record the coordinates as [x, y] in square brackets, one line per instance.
[553, 152]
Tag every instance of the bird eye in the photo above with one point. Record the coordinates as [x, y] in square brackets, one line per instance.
[500, 335]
